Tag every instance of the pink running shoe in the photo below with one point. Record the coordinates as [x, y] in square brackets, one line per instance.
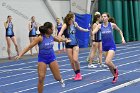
[116, 73]
[116, 76]
[78, 77]
[114, 79]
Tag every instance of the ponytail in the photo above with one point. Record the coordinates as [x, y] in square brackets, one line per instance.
[44, 29]
[112, 20]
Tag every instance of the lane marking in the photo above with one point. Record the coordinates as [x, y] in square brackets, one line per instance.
[95, 82]
[60, 57]
[121, 86]
[71, 78]
[62, 72]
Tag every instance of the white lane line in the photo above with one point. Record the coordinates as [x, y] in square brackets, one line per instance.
[86, 56]
[17, 75]
[82, 75]
[4, 70]
[52, 83]
[17, 64]
[51, 74]
[59, 57]
[31, 79]
[129, 47]
[20, 69]
[65, 64]
[121, 86]
[95, 82]
[21, 63]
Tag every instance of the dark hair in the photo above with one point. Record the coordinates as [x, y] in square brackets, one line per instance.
[107, 14]
[111, 19]
[32, 17]
[9, 16]
[44, 29]
[68, 18]
[96, 17]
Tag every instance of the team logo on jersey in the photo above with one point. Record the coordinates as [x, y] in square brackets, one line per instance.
[72, 32]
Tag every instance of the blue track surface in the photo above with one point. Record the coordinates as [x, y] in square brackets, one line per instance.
[21, 76]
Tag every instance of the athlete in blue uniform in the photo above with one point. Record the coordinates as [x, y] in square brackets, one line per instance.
[32, 31]
[58, 28]
[108, 44]
[72, 48]
[10, 35]
[97, 42]
[46, 54]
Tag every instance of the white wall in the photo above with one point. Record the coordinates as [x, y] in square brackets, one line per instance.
[61, 8]
[82, 8]
[21, 11]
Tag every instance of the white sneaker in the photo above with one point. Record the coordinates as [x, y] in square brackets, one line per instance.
[91, 66]
[103, 66]
[62, 83]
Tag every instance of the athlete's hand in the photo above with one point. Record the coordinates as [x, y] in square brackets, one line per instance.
[87, 30]
[68, 40]
[123, 41]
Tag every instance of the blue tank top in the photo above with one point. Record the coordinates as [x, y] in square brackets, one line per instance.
[70, 33]
[33, 31]
[107, 35]
[46, 46]
[9, 29]
[59, 26]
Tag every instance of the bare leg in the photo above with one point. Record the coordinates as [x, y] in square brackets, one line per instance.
[41, 74]
[109, 56]
[70, 55]
[100, 51]
[15, 43]
[56, 73]
[75, 57]
[36, 45]
[31, 40]
[93, 51]
[55, 70]
[8, 47]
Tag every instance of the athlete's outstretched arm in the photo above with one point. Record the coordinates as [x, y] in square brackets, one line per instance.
[35, 42]
[96, 29]
[62, 30]
[119, 30]
[60, 39]
[80, 28]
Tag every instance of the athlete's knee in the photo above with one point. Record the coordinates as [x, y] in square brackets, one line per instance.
[107, 61]
[41, 78]
[75, 60]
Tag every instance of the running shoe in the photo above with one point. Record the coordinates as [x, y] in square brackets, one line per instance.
[62, 83]
[91, 66]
